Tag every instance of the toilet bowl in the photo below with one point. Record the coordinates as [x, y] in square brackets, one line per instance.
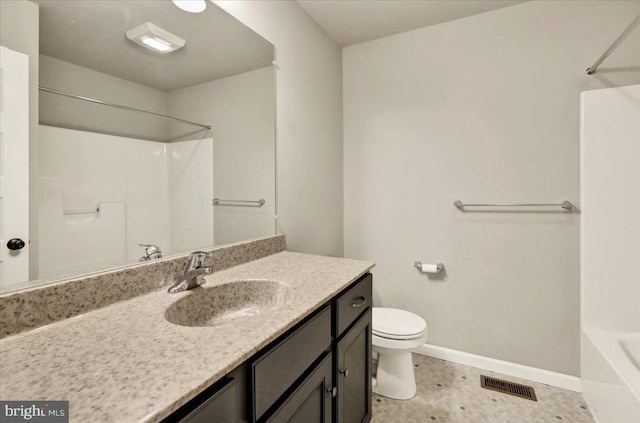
[396, 333]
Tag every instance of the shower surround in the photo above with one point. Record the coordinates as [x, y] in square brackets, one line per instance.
[102, 195]
[610, 236]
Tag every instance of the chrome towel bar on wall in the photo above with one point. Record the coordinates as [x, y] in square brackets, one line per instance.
[81, 211]
[241, 203]
[566, 205]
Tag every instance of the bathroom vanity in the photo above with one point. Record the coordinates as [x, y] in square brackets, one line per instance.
[288, 338]
[318, 371]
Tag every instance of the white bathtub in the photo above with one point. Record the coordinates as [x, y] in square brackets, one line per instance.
[611, 375]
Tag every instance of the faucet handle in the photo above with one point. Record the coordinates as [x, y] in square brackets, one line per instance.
[151, 252]
[197, 258]
[150, 248]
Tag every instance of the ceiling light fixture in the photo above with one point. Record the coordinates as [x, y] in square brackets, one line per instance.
[155, 38]
[192, 6]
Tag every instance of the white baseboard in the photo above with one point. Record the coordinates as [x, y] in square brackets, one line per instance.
[547, 377]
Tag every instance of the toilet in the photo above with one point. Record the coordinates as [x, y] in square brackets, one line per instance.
[396, 333]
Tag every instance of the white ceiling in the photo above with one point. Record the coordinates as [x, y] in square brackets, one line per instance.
[90, 33]
[350, 22]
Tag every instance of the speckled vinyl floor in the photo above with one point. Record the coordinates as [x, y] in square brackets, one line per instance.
[451, 393]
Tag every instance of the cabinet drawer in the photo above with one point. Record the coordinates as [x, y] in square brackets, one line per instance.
[352, 303]
[276, 371]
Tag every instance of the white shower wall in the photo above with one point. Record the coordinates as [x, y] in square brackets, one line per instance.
[610, 253]
[610, 233]
[240, 108]
[131, 181]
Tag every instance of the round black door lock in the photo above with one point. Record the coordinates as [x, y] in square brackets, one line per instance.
[15, 244]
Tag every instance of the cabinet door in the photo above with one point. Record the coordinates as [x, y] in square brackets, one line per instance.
[311, 401]
[354, 373]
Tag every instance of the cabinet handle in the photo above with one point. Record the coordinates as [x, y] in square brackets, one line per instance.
[333, 391]
[359, 302]
[345, 373]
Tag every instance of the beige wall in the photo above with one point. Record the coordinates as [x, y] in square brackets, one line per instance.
[241, 110]
[70, 113]
[308, 124]
[482, 109]
[20, 31]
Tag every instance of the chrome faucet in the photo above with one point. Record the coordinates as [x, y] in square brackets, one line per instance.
[151, 252]
[193, 272]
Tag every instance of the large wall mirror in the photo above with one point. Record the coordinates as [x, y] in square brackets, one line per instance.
[156, 127]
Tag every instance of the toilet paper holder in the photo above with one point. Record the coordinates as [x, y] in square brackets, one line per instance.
[439, 266]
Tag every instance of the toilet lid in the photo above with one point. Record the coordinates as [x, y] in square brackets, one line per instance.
[391, 322]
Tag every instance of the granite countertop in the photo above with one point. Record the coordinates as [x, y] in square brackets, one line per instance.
[126, 363]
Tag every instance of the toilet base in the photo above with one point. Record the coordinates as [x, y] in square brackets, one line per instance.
[395, 377]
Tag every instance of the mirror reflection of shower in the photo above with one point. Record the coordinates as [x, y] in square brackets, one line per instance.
[136, 139]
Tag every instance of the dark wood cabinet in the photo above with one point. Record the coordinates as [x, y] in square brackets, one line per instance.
[223, 402]
[352, 303]
[275, 370]
[353, 363]
[319, 371]
[311, 402]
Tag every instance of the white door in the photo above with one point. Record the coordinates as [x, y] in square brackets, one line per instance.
[14, 168]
